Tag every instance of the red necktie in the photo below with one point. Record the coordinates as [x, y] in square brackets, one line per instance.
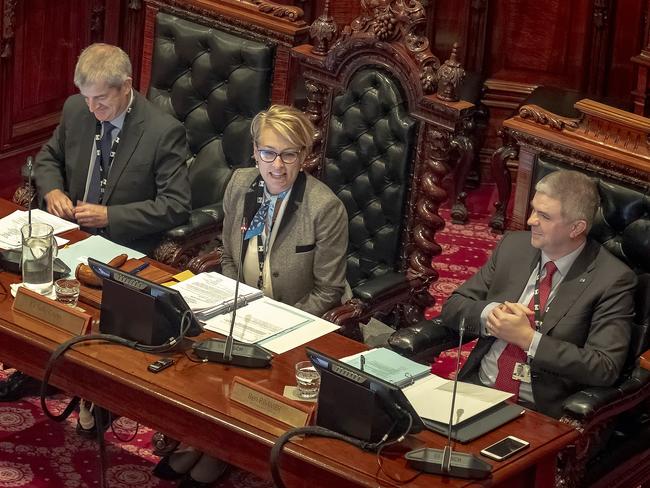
[513, 354]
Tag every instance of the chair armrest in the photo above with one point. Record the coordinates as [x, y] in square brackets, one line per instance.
[208, 217]
[599, 403]
[388, 283]
[413, 340]
[207, 262]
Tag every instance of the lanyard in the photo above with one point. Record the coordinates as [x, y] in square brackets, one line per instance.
[264, 238]
[103, 172]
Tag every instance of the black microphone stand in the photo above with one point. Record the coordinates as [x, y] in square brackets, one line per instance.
[446, 461]
[228, 351]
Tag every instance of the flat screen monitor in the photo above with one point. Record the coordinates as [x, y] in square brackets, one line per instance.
[139, 309]
[358, 404]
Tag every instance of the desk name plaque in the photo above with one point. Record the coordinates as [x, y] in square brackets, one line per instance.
[270, 404]
[51, 312]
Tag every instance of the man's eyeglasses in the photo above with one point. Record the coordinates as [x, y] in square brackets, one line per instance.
[287, 157]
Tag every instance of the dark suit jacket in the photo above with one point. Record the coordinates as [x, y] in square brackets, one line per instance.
[147, 190]
[586, 331]
[308, 256]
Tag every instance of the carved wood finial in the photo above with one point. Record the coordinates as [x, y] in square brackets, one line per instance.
[396, 22]
[450, 76]
[323, 32]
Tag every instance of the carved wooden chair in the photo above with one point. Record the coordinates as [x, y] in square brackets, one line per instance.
[390, 133]
[622, 226]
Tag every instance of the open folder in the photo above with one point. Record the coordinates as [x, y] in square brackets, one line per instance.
[478, 409]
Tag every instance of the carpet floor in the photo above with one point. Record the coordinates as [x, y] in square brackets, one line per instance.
[38, 453]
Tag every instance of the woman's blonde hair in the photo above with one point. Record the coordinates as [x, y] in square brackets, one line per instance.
[288, 122]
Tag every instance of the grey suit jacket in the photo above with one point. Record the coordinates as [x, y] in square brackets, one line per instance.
[147, 191]
[586, 331]
[308, 256]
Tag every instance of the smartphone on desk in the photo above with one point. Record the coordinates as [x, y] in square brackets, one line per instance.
[505, 448]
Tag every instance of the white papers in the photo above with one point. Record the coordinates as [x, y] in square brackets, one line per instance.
[260, 320]
[10, 225]
[431, 399]
[210, 290]
[299, 336]
[95, 247]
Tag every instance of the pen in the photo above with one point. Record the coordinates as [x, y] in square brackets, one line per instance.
[362, 360]
[139, 268]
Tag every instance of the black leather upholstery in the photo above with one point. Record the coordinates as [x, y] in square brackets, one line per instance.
[367, 158]
[214, 83]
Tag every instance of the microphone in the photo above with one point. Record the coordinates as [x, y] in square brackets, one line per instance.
[445, 461]
[229, 351]
[30, 165]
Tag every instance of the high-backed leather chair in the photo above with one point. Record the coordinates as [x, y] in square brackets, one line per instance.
[622, 226]
[214, 82]
[388, 135]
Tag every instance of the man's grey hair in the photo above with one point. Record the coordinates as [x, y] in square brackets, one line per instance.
[577, 193]
[102, 63]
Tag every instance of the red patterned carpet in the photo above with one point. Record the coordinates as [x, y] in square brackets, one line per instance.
[38, 453]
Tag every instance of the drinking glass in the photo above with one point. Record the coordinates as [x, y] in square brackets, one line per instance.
[67, 291]
[308, 380]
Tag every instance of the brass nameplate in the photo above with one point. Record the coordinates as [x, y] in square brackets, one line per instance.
[271, 404]
[51, 312]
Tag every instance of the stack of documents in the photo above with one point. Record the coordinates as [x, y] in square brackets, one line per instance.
[212, 294]
[10, 226]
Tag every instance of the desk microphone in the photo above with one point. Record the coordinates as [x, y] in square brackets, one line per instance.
[228, 351]
[444, 461]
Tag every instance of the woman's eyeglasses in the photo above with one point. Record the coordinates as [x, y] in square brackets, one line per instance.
[287, 157]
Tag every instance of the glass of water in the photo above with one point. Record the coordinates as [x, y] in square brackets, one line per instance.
[67, 291]
[38, 253]
[308, 380]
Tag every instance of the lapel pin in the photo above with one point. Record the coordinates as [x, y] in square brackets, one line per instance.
[582, 280]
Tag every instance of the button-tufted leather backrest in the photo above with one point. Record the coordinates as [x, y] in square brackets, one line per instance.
[214, 83]
[622, 226]
[367, 159]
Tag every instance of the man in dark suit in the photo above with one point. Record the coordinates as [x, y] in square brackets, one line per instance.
[554, 309]
[116, 164]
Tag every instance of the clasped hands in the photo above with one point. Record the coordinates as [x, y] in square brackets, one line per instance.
[85, 214]
[509, 322]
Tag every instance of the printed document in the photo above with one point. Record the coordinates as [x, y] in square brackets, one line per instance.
[206, 292]
[260, 320]
[10, 225]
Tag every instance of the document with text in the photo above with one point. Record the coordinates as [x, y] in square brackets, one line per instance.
[10, 225]
[259, 320]
[211, 294]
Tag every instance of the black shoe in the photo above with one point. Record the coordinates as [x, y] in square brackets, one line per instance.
[164, 471]
[17, 386]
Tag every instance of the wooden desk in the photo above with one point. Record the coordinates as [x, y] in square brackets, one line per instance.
[189, 401]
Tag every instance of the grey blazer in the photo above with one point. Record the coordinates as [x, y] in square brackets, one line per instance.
[586, 331]
[308, 256]
[147, 190]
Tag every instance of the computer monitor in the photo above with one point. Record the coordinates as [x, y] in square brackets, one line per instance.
[358, 404]
[140, 310]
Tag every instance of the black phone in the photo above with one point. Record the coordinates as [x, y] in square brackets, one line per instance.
[158, 366]
[505, 448]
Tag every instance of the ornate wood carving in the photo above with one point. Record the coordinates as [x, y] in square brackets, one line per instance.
[317, 94]
[97, 16]
[541, 116]
[450, 76]
[395, 21]
[8, 22]
[135, 4]
[323, 31]
[290, 13]
[605, 141]
[600, 40]
[501, 174]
